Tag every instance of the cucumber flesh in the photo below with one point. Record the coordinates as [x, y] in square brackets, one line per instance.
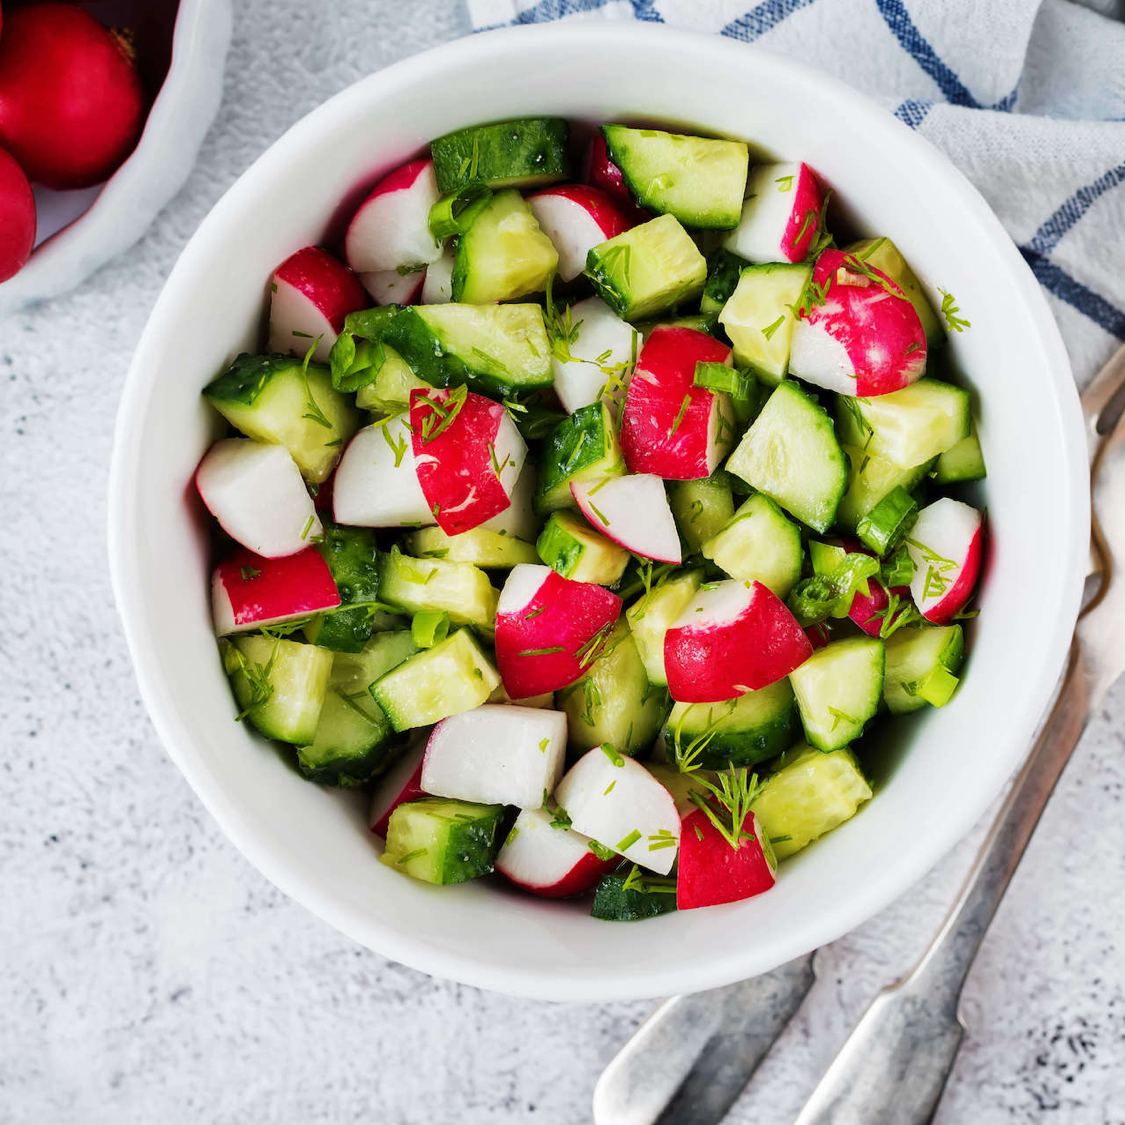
[459, 589]
[653, 614]
[962, 462]
[479, 546]
[582, 447]
[390, 390]
[443, 841]
[523, 153]
[920, 664]
[869, 480]
[759, 544]
[759, 318]
[568, 545]
[838, 690]
[702, 508]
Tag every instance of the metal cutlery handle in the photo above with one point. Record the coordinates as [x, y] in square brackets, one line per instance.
[893, 1066]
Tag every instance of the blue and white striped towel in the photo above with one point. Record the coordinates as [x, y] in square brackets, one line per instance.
[1027, 97]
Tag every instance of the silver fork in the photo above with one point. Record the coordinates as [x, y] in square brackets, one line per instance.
[693, 1056]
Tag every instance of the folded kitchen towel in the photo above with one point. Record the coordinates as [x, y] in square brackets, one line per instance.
[1026, 97]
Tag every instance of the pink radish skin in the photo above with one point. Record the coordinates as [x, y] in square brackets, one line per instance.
[549, 861]
[633, 511]
[17, 217]
[868, 610]
[389, 287]
[780, 216]
[390, 229]
[376, 483]
[257, 494]
[602, 173]
[548, 629]
[671, 427]
[497, 754]
[818, 635]
[711, 872]
[402, 783]
[616, 801]
[312, 292]
[951, 535]
[734, 637]
[576, 218]
[249, 592]
[467, 465]
[865, 340]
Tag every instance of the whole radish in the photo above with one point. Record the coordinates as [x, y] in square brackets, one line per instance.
[71, 101]
[17, 217]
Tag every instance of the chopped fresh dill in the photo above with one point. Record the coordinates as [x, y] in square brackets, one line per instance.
[770, 329]
[626, 842]
[680, 416]
[950, 310]
[612, 755]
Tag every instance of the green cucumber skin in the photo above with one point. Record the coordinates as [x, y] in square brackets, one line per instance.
[353, 557]
[577, 443]
[347, 771]
[612, 903]
[723, 273]
[345, 630]
[530, 150]
[247, 376]
[463, 843]
[962, 464]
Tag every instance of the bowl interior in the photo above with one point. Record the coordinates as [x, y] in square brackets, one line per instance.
[948, 764]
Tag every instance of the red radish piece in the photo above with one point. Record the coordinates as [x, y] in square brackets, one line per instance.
[549, 860]
[389, 287]
[312, 292]
[602, 173]
[576, 218]
[780, 216]
[946, 544]
[819, 635]
[865, 339]
[468, 454]
[376, 484]
[734, 637]
[17, 217]
[71, 101]
[869, 610]
[600, 355]
[519, 519]
[401, 783]
[670, 427]
[437, 288]
[390, 230]
[257, 494]
[617, 802]
[711, 872]
[633, 511]
[250, 592]
[497, 754]
[322, 497]
[549, 629]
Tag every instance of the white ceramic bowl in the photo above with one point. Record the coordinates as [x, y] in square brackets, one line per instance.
[950, 764]
[99, 223]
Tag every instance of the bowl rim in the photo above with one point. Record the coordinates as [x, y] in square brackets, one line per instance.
[1073, 534]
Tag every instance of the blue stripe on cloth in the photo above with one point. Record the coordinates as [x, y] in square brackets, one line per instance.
[1050, 234]
[897, 18]
[1057, 281]
[762, 18]
[913, 112]
[644, 11]
[547, 10]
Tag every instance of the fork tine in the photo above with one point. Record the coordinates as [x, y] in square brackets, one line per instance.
[1101, 392]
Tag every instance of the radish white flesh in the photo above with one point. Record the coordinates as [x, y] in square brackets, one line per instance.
[376, 484]
[257, 494]
[497, 755]
[437, 289]
[601, 356]
[391, 227]
[401, 783]
[576, 218]
[311, 293]
[389, 287]
[633, 511]
[547, 859]
[617, 802]
[519, 518]
[946, 544]
[250, 592]
[780, 216]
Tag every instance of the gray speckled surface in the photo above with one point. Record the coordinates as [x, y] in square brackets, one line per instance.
[149, 974]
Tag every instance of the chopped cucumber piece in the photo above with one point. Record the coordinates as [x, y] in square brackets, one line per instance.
[869, 480]
[647, 270]
[279, 685]
[702, 508]
[654, 613]
[459, 589]
[838, 690]
[921, 663]
[962, 462]
[759, 318]
[630, 897]
[759, 544]
[504, 254]
[699, 180]
[909, 426]
[810, 794]
[723, 272]
[389, 391]
[342, 630]
[791, 454]
[455, 213]
[568, 544]
[451, 677]
[354, 738]
[582, 447]
[480, 546]
[885, 526]
[523, 153]
[884, 255]
[442, 841]
[495, 349]
[614, 702]
[276, 399]
[698, 322]
[740, 732]
[353, 558]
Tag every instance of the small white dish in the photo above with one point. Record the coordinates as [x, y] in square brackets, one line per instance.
[313, 843]
[89, 227]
